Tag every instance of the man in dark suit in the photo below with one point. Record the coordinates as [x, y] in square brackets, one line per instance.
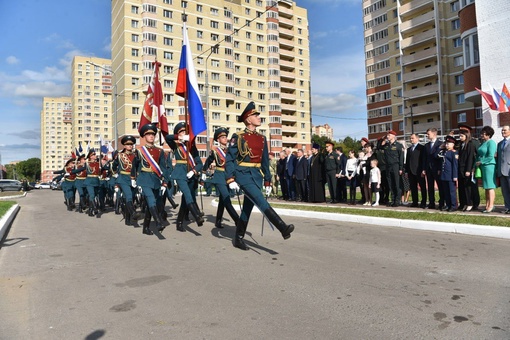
[289, 174]
[433, 166]
[280, 172]
[301, 176]
[341, 195]
[415, 164]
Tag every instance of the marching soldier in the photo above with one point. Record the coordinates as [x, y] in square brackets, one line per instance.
[246, 160]
[187, 167]
[79, 183]
[149, 165]
[104, 178]
[123, 166]
[68, 183]
[218, 155]
[93, 169]
[167, 174]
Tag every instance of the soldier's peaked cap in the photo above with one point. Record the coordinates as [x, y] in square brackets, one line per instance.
[70, 160]
[450, 139]
[465, 127]
[128, 140]
[220, 132]
[179, 127]
[91, 152]
[248, 111]
[148, 128]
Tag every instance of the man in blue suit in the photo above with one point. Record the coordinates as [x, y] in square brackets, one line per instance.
[301, 172]
[433, 167]
[290, 175]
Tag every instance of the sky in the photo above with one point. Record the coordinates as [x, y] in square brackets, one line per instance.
[36, 56]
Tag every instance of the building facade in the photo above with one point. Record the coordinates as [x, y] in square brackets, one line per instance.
[415, 67]
[243, 51]
[56, 135]
[323, 131]
[92, 101]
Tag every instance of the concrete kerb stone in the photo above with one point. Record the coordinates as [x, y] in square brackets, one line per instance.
[6, 221]
[467, 229]
[6, 198]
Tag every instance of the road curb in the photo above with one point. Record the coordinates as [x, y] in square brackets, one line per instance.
[467, 229]
[6, 198]
[6, 221]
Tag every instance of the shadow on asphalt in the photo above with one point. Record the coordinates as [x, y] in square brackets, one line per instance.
[95, 335]
[229, 232]
[12, 241]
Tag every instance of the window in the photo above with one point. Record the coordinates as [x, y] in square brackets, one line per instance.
[454, 6]
[471, 53]
[134, 37]
[459, 80]
[168, 28]
[457, 42]
[460, 98]
[134, 67]
[461, 117]
[134, 23]
[134, 95]
[458, 61]
[134, 52]
[455, 24]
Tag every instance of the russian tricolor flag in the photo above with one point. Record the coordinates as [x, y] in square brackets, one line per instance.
[187, 87]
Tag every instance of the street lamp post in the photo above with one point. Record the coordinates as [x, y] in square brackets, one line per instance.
[115, 133]
[213, 49]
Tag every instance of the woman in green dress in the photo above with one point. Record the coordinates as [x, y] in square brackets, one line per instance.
[486, 160]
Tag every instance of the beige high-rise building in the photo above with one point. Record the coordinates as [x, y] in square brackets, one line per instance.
[243, 51]
[323, 131]
[92, 102]
[56, 146]
[414, 67]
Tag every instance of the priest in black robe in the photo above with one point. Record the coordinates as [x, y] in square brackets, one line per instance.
[316, 179]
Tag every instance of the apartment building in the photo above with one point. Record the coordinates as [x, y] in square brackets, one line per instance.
[244, 50]
[56, 131]
[323, 131]
[415, 67]
[92, 101]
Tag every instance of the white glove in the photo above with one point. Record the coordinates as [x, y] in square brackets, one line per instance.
[133, 183]
[203, 177]
[184, 138]
[107, 179]
[234, 186]
[268, 190]
[190, 174]
[67, 174]
[163, 189]
[116, 189]
[115, 175]
[200, 186]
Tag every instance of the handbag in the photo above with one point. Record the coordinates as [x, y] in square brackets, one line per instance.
[478, 172]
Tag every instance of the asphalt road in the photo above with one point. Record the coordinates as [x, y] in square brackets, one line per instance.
[64, 275]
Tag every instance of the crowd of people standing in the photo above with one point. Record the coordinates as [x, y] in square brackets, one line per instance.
[395, 172]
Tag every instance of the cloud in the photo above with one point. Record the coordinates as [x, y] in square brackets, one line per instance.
[339, 103]
[22, 146]
[12, 60]
[27, 134]
[55, 40]
[338, 74]
[42, 89]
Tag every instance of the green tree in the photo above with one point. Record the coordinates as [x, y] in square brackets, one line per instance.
[29, 169]
[9, 168]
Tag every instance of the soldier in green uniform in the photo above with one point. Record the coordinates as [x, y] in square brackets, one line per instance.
[68, 183]
[331, 169]
[167, 174]
[218, 155]
[394, 157]
[93, 170]
[79, 183]
[148, 165]
[188, 166]
[123, 167]
[247, 167]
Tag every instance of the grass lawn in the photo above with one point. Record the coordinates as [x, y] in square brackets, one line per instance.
[4, 206]
[459, 218]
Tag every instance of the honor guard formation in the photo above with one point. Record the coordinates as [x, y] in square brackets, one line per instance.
[137, 181]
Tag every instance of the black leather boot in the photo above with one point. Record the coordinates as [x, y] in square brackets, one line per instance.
[193, 208]
[219, 216]
[239, 236]
[278, 223]
[146, 223]
[80, 206]
[68, 203]
[71, 200]
[131, 209]
[180, 218]
[157, 218]
[127, 216]
[172, 202]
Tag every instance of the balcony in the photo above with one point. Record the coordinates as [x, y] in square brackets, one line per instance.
[288, 75]
[284, 22]
[415, 6]
[286, 32]
[289, 64]
[288, 107]
[422, 127]
[287, 53]
[419, 56]
[418, 22]
[286, 44]
[289, 129]
[422, 91]
[418, 39]
[287, 96]
[420, 74]
[422, 109]
[285, 12]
